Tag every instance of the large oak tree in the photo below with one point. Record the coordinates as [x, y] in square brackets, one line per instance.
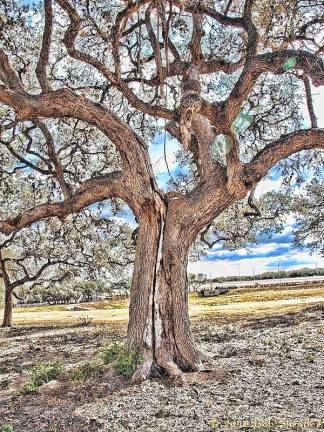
[83, 98]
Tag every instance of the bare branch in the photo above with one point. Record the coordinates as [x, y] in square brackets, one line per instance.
[203, 238]
[309, 100]
[8, 75]
[59, 173]
[45, 50]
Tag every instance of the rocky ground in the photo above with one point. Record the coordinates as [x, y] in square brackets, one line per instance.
[265, 374]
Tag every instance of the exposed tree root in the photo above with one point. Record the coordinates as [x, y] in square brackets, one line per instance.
[143, 372]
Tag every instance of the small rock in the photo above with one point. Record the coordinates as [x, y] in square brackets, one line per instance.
[52, 387]
[96, 421]
[257, 360]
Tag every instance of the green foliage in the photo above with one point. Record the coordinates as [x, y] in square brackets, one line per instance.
[42, 374]
[85, 371]
[290, 63]
[46, 372]
[111, 352]
[243, 121]
[128, 361]
[7, 428]
[125, 359]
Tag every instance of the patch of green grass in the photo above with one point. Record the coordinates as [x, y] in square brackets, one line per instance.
[41, 374]
[111, 352]
[85, 371]
[7, 428]
[124, 359]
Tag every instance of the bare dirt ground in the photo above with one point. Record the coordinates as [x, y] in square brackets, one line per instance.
[266, 373]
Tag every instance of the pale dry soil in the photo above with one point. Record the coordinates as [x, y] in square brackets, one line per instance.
[264, 363]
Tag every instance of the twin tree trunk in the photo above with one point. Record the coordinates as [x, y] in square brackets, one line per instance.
[158, 317]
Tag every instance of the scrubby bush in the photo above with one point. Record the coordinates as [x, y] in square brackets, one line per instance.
[125, 359]
[85, 371]
[27, 388]
[42, 374]
[110, 352]
[46, 372]
[83, 321]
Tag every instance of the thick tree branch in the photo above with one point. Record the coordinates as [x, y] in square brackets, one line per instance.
[90, 192]
[65, 103]
[274, 62]
[281, 149]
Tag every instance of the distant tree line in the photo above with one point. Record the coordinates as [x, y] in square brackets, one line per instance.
[274, 275]
[75, 291]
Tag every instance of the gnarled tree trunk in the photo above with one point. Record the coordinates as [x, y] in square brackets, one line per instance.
[158, 318]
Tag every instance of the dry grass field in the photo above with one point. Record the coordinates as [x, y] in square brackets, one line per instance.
[265, 349]
[236, 303]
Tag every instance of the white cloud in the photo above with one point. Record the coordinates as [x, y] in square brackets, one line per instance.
[248, 266]
[267, 185]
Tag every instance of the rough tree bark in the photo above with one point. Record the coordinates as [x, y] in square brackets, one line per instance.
[159, 321]
[8, 306]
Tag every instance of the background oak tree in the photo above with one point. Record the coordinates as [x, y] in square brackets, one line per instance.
[39, 257]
